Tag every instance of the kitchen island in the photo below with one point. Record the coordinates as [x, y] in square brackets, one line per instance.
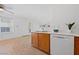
[56, 43]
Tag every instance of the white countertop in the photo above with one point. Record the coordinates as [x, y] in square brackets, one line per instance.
[69, 34]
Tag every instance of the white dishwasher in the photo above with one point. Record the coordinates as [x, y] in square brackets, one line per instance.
[61, 44]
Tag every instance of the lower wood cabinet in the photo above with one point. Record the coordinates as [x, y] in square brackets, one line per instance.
[76, 45]
[35, 40]
[44, 42]
[41, 41]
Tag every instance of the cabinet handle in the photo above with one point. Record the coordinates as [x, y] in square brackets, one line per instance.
[60, 37]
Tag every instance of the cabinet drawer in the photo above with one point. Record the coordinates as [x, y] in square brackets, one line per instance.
[46, 36]
[62, 36]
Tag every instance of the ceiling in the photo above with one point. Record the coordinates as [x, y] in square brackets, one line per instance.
[42, 12]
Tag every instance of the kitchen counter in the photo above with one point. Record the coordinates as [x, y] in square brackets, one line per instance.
[43, 32]
[68, 34]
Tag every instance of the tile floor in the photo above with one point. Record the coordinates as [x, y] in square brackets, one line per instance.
[18, 46]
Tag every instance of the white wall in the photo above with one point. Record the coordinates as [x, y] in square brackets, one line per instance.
[18, 26]
[63, 14]
[55, 15]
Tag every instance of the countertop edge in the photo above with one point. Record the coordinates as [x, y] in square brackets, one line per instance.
[68, 34]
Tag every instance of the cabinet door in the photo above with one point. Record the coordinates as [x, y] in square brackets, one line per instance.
[62, 45]
[44, 42]
[35, 40]
[76, 45]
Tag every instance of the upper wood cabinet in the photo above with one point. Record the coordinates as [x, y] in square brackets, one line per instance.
[41, 41]
[76, 45]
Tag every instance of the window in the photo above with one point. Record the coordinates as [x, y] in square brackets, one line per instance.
[5, 29]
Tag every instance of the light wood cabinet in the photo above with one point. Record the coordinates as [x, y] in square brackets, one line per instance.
[35, 40]
[41, 41]
[76, 45]
[44, 42]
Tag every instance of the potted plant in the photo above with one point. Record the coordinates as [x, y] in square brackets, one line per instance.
[70, 25]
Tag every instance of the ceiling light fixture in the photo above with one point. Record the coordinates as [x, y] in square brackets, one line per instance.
[1, 7]
[5, 8]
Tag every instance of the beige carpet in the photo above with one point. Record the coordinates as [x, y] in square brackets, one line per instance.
[18, 46]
